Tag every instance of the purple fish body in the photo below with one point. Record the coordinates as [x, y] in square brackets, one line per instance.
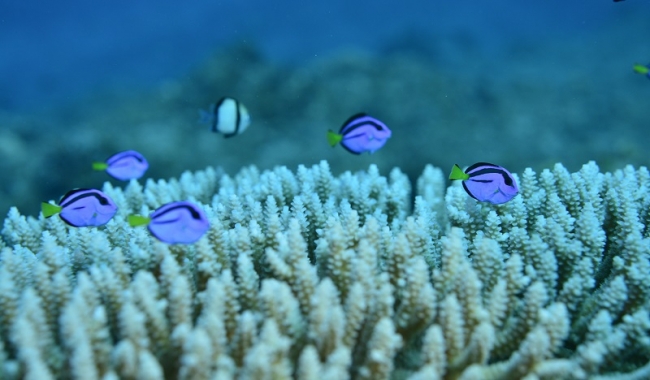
[86, 207]
[178, 223]
[362, 133]
[127, 165]
[490, 183]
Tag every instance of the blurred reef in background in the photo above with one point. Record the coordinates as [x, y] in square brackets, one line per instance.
[517, 111]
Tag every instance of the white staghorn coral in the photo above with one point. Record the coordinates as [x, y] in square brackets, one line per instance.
[313, 276]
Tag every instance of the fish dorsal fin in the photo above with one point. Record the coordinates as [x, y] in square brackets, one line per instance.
[479, 164]
[351, 119]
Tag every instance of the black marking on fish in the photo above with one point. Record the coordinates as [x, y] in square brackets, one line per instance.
[112, 159]
[170, 221]
[479, 164]
[66, 201]
[350, 120]
[195, 214]
[345, 128]
[238, 120]
[506, 178]
[215, 114]
[467, 191]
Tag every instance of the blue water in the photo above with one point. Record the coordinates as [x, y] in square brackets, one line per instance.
[519, 83]
[53, 52]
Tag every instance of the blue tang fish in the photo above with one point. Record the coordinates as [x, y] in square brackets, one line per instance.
[227, 116]
[642, 69]
[360, 133]
[174, 223]
[124, 166]
[486, 182]
[82, 208]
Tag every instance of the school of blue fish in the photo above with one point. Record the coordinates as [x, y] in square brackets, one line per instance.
[184, 222]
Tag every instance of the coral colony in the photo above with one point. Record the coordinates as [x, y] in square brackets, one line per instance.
[311, 276]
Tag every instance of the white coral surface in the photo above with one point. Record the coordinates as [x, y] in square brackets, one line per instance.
[311, 276]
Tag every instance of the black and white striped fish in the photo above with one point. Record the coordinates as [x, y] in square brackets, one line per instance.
[228, 116]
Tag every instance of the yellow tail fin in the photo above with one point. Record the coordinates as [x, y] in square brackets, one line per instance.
[641, 69]
[458, 173]
[333, 138]
[138, 220]
[100, 166]
[49, 209]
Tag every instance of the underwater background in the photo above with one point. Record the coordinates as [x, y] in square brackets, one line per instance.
[518, 84]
